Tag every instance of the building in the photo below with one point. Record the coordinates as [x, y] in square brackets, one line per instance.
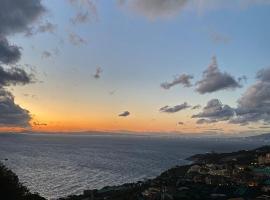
[264, 159]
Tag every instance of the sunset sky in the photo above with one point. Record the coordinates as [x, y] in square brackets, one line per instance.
[187, 66]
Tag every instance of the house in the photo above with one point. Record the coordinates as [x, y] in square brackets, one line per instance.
[194, 168]
[264, 159]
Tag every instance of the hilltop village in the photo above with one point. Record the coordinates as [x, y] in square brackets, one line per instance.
[242, 175]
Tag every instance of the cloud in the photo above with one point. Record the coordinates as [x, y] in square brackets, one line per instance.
[124, 114]
[206, 121]
[214, 111]
[12, 115]
[263, 75]
[160, 9]
[254, 105]
[9, 54]
[219, 37]
[47, 28]
[174, 109]
[14, 76]
[183, 79]
[180, 123]
[196, 107]
[82, 17]
[39, 124]
[112, 92]
[17, 15]
[51, 53]
[86, 11]
[154, 9]
[46, 54]
[76, 40]
[98, 73]
[214, 80]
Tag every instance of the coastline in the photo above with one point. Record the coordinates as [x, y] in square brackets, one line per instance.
[209, 176]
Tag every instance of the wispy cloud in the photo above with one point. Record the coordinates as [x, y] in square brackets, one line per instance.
[86, 11]
[76, 39]
[98, 73]
[154, 9]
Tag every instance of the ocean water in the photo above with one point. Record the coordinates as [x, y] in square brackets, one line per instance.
[61, 165]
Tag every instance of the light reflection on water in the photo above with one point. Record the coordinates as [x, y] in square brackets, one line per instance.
[60, 165]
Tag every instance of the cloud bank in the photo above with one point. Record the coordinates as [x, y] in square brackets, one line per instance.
[214, 111]
[253, 106]
[15, 16]
[12, 115]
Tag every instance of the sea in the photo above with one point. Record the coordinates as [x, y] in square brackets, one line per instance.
[58, 165]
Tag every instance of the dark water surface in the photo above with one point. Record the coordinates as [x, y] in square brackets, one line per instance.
[60, 165]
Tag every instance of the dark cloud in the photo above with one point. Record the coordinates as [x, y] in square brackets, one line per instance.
[153, 9]
[9, 54]
[39, 124]
[180, 123]
[98, 73]
[76, 40]
[263, 75]
[17, 15]
[124, 114]
[196, 107]
[14, 76]
[254, 105]
[214, 111]
[12, 115]
[214, 80]
[242, 79]
[183, 79]
[174, 109]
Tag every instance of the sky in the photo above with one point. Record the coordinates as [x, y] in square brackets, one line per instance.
[181, 66]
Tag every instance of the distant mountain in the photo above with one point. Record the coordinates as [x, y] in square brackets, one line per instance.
[265, 136]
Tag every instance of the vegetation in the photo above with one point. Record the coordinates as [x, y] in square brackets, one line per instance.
[12, 189]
